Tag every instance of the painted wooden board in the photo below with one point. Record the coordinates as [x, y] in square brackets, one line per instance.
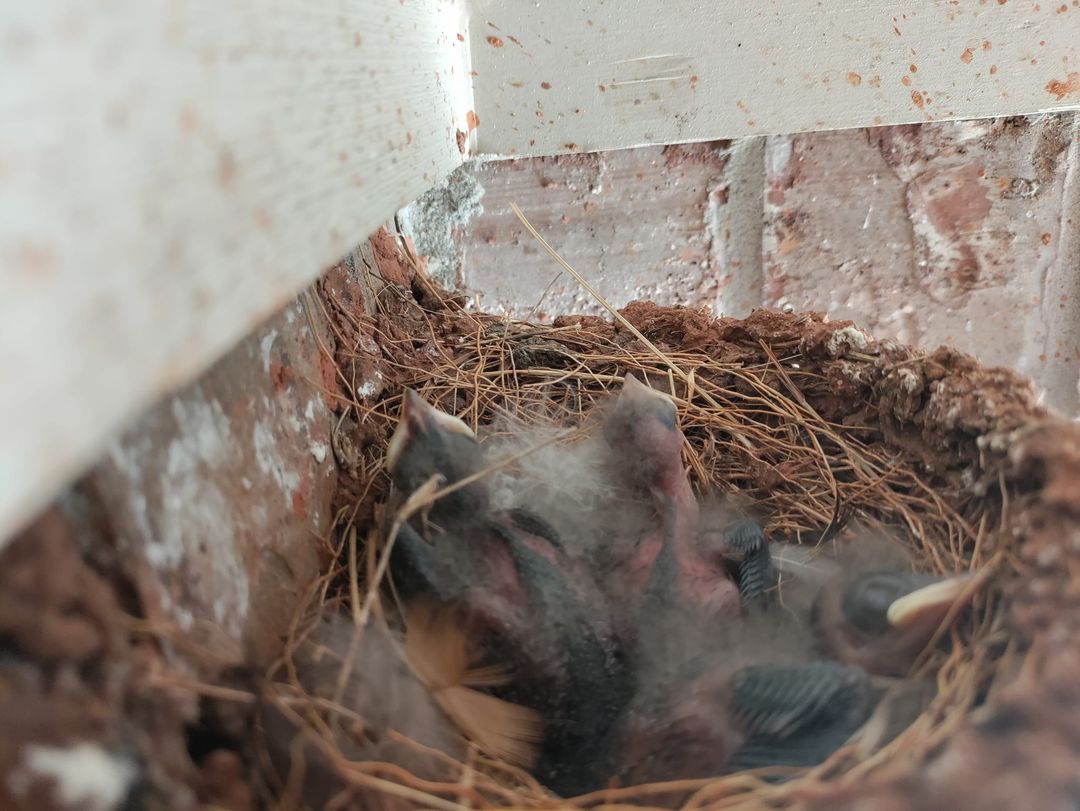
[564, 76]
[171, 173]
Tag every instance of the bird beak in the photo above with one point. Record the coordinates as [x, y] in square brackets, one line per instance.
[644, 399]
[636, 390]
[930, 602]
[418, 418]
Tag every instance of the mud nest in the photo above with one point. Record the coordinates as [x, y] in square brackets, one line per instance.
[815, 423]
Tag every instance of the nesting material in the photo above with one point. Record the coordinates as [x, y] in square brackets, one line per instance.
[811, 425]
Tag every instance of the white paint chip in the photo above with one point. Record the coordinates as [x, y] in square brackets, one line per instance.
[269, 461]
[85, 776]
[366, 389]
[846, 339]
[909, 381]
[265, 345]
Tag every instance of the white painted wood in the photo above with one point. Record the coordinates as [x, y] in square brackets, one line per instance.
[173, 172]
[563, 75]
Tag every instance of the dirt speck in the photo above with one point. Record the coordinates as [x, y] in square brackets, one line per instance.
[299, 503]
[281, 376]
[223, 782]
[704, 153]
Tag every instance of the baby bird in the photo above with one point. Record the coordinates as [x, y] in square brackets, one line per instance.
[676, 563]
[881, 620]
[763, 697]
[429, 441]
[717, 718]
[866, 605]
[373, 681]
[526, 601]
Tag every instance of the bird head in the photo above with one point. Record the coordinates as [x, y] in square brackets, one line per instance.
[643, 425]
[881, 620]
[428, 441]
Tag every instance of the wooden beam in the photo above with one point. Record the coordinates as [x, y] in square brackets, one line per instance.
[564, 76]
[172, 173]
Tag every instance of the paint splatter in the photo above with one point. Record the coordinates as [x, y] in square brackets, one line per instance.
[1062, 89]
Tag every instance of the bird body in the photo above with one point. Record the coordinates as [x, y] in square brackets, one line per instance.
[365, 673]
[718, 718]
[526, 600]
[666, 566]
[881, 620]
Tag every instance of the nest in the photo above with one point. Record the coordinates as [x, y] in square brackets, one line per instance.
[816, 424]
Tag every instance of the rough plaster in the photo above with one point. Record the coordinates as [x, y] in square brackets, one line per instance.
[217, 496]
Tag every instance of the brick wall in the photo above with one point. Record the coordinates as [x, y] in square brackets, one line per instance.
[963, 233]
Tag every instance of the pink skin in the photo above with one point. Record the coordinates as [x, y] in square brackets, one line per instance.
[643, 420]
[703, 579]
[501, 602]
[706, 585]
[691, 738]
